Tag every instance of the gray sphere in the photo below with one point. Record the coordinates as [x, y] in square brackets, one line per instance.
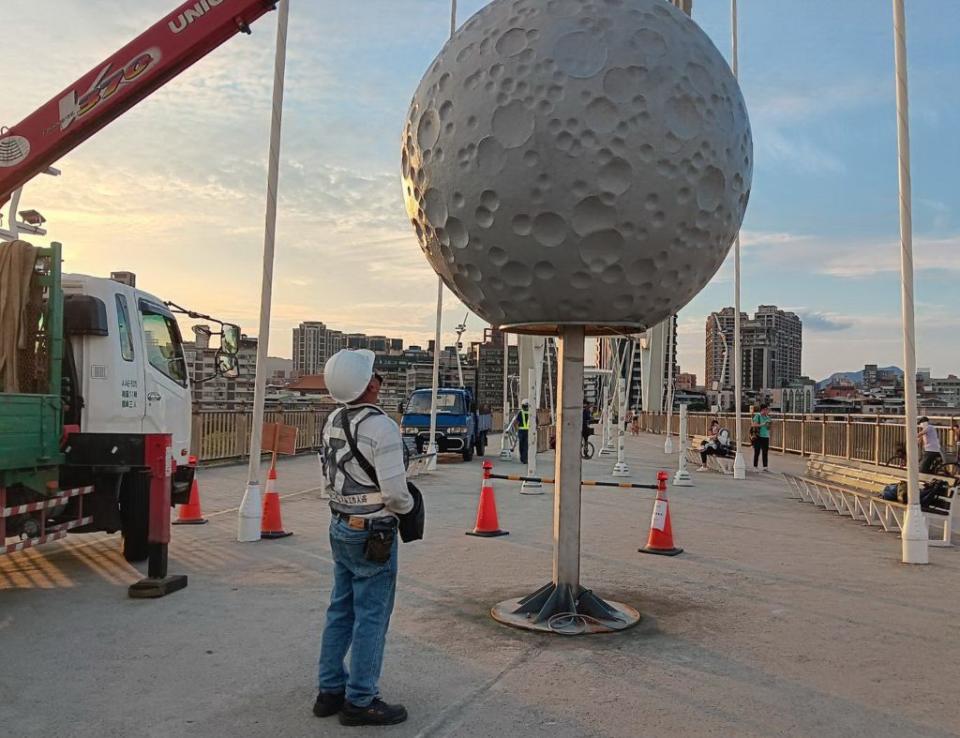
[577, 162]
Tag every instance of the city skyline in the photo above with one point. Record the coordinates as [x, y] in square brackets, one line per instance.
[820, 237]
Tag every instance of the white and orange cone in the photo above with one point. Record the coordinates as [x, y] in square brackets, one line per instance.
[660, 540]
[272, 524]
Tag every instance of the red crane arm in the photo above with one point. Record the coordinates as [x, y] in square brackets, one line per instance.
[111, 88]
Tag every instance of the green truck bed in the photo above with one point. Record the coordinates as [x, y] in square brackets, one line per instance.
[30, 428]
[31, 424]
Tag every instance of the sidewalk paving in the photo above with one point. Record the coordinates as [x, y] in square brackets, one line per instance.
[779, 619]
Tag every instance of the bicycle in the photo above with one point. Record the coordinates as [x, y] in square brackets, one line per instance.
[586, 448]
[899, 458]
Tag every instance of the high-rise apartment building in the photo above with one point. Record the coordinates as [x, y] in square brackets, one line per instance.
[771, 349]
[786, 331]
[314, 343]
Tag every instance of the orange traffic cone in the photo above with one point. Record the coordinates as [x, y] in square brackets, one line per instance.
[661, 534]
[271, 526]
[487, 524]
[190, 514]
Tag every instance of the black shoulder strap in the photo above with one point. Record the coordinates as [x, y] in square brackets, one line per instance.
[351, 441]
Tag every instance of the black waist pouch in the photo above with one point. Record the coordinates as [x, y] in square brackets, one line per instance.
[379, 544]
[411, 523]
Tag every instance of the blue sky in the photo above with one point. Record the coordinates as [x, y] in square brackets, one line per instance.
[174, 189]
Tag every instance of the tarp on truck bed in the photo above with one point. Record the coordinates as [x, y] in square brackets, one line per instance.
[17, 260]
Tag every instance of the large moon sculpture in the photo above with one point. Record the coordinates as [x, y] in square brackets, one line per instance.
[577, 162]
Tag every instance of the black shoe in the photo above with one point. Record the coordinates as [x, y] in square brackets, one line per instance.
[328, 703]
[377, 712]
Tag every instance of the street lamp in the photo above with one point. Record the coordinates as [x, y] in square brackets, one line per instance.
[914, 534]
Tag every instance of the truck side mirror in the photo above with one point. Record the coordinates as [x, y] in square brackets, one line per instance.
[230, 339]
[227, 365]
[400, 408]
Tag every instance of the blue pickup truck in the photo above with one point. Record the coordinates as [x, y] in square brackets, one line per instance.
[461, 428]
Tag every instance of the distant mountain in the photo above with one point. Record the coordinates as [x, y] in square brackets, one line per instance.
[277, 364]
[856, 377]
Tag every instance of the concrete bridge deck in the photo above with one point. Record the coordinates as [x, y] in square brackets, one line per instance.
[779, 619]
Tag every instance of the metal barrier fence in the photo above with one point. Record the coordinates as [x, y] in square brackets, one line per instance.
[219, 435]
[871, 438]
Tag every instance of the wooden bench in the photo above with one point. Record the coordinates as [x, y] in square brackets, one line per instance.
[722, 464]
[855, 489]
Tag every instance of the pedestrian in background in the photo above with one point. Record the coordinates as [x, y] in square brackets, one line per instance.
[364, 470]
[929, 440]
[761, 436]
[523, 429]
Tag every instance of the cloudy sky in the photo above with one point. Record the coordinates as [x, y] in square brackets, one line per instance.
[174, 190]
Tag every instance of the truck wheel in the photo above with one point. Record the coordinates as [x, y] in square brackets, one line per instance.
[468, 452]
[481, 444]
[135, 515]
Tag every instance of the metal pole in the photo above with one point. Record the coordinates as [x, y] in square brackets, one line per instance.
[432, 447]
[605, 398]
[682, 477]
[621, 469]
[613, 399]
[553, 404]
[603, 415]
[528, 487]
[668, 443]
[567, 469]
[739, 464]
[249, 514]
[505, 453]
[555, 606]
[914, 534]
[459, 367]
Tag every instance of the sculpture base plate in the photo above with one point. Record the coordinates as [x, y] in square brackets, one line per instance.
[553, 609]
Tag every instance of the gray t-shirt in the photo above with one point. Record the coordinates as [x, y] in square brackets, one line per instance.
[931, 441]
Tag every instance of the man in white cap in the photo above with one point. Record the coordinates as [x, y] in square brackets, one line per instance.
[364, 470]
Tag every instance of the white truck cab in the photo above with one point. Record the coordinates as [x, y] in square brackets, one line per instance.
[129, 361]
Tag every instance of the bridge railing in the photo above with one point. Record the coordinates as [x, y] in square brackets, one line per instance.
[222, 435]
[872, 438]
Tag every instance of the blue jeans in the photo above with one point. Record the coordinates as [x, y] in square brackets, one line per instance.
[358, 616]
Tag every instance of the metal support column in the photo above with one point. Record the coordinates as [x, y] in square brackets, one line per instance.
[564, 605]
[914, 536]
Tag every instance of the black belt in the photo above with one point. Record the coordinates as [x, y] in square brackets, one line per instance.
[358, 523]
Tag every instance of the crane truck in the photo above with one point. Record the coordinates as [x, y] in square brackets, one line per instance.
[94, 393]
[95, 408]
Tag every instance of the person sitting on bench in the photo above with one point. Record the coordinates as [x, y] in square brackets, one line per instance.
[711, 446]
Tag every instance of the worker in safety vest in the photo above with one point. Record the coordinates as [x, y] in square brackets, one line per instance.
[523, 429]
[364, 471]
